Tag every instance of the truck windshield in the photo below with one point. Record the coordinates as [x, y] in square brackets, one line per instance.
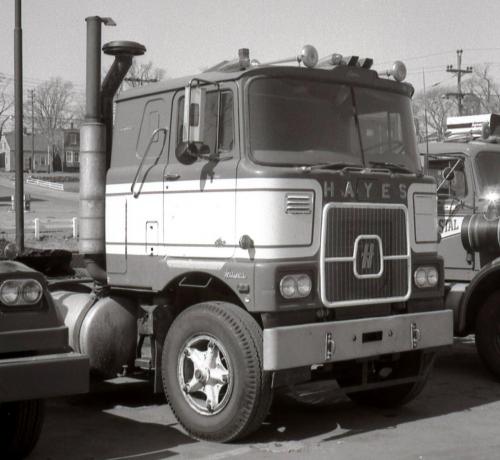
[304, 122]
[488, 165]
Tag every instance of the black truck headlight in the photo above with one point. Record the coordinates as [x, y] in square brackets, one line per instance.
[295, 286]
[20, 292]
[426, 277]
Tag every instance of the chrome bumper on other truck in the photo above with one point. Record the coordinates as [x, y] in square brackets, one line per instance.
[318, 343]
[43, 376]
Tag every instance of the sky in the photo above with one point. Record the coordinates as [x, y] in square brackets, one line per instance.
[185, 36]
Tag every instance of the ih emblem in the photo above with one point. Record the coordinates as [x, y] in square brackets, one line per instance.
[368, 257]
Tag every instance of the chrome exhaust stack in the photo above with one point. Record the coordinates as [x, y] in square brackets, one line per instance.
[95, 141]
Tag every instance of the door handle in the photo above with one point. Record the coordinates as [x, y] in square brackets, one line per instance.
[173, 176]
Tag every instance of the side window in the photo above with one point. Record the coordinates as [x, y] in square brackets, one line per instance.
[457, 186]
[154, 123]
[154, 112]
[226, 121]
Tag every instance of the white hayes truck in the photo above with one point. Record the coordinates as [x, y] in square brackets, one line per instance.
[251, 223]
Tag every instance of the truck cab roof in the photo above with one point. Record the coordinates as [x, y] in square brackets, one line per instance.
[338, 74]
[471, 148]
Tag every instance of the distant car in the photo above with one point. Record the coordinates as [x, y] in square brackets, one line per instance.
[35, 359]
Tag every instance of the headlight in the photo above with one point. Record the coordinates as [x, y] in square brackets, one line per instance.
[9, 292]
[31, 292]
[20, 292]
[426, 277]
[295, 286]
[304, 285]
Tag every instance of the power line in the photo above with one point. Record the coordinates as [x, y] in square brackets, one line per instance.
[424, 56]
[458, 71]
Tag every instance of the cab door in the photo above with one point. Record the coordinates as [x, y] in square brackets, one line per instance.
[455, 201]
[200, 198]
[145, 202]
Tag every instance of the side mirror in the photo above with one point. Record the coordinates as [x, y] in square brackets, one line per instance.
[188, 152]
[448, 174]
[194, 108]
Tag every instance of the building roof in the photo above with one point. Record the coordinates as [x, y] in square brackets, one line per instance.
[41, 142]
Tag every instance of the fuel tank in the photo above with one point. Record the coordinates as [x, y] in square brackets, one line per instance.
[105, 329]
[481, 233]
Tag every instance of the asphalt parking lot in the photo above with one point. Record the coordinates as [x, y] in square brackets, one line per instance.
[456, 417]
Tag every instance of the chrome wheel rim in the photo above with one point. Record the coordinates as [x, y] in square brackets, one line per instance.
[205, 374]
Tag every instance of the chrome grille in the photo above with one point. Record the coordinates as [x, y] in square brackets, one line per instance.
[365, 254]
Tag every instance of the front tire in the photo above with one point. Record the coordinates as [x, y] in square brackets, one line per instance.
[488, 333]
[213, 374]
[20, 426]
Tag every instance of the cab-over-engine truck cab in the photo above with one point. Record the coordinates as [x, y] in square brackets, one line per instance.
[36, 361]
[466, 170]
[259, 220]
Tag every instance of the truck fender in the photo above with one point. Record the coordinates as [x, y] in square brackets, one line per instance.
[479, 289]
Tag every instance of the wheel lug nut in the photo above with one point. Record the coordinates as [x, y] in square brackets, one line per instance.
[185, 388]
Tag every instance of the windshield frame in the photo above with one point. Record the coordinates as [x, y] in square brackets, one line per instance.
[320, 76]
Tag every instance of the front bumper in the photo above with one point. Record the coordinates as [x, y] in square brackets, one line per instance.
[43, 376]
[304, 345]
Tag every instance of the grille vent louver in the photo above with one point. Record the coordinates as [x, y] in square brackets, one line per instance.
[298, 203]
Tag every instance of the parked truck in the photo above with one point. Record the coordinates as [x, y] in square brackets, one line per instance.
[254, 226]
[466, 167]
[36, 361]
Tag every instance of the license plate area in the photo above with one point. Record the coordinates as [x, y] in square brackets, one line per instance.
[375, 336]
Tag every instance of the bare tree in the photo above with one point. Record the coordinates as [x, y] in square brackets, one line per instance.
[143, 73]
[52, 108]
[438, 109]
[6, 103]
[482, 92]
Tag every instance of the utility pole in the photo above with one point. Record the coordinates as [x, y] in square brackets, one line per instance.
[459, 71]
[18, 110]
[32, 160]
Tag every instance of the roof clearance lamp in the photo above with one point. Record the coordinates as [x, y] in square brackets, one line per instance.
[397, 71]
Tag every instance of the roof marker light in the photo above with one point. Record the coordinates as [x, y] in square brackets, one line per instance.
[365, 63]
[350, 60]
[397, 71]
[330, 60]
[308, 56]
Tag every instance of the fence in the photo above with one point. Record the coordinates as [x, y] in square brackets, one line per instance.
[46, 184]
[54, 225]
[40, 226]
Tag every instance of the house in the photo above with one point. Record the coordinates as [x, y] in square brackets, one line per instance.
[71, 148]
[37, 161]
[62, 155]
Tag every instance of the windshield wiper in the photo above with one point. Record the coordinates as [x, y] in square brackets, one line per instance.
[392, 166]
[336, 165]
